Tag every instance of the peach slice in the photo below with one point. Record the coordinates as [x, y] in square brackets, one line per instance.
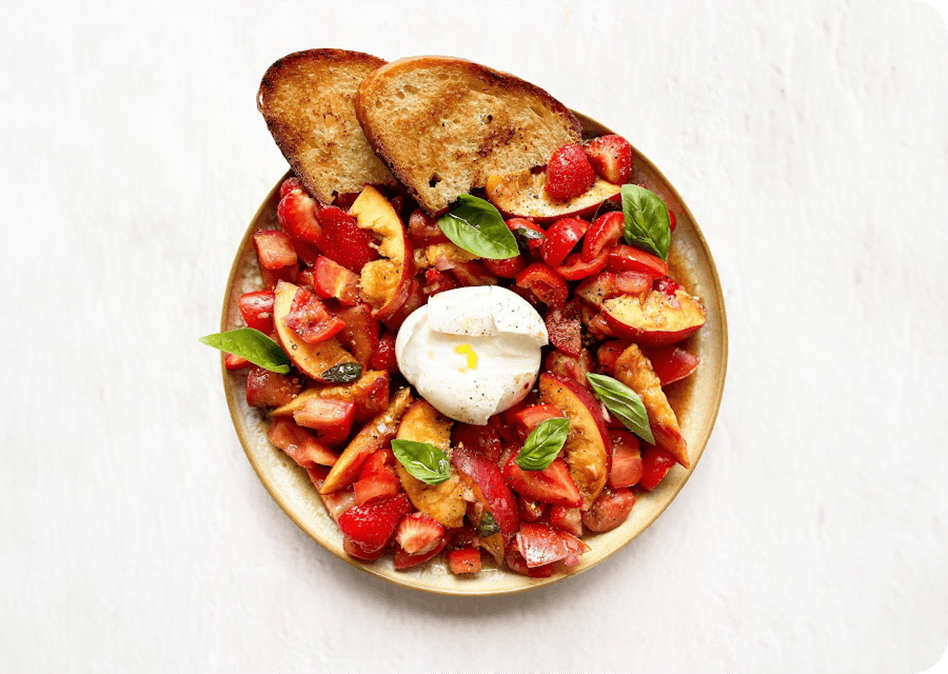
[312, 359]
[442, 502]
[373, 436]
[384, 284]
[484, 479]
[658, 319]
[369, 393]
[635, 371]
[587, 449]
[522, 195]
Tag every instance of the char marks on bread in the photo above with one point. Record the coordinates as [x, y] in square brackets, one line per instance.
[307, 100]
[443, 125]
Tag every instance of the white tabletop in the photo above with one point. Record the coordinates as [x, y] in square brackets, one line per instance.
[810, 141]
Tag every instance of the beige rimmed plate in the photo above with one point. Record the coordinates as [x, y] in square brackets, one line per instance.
[695, 400]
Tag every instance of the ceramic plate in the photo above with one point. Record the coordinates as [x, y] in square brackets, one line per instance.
[695, 400]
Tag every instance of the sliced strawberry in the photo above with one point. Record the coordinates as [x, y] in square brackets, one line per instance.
[626, 459]
[541, 544]
[403, 560]
[567, 519]
[299, 444]
[464, 561]
[603, 234]
[271, 389]
[331, 279]
[296, 214]
[553, 484]
[331, 419]
[611, 158]
[417, 534]
[656, 463]
[528, 418]
[336, 503]
[610, 509]
[342, 241]
[375, 487]
[309, 318]
[291, 183]
[565, 328]
[381, 463]
[358, 551]
[574, 268]
[371, 525]
[569, 173]
[256, 308]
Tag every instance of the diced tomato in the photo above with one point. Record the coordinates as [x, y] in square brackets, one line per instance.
[553, 484]
[256, 308]
[567, 519]
[671, 363]
[565, 327]
[403, 560]
[437, 281]
[530, 510]
[629, 258]
[561, 237]
[604, 233]
[234, 362]
[296, 213]
[274, 249]
[545, 283]
[423, 230]
[482, 440]
[299, 444]
[609, 353]
[626, 468]
[541, 544]
[380, 463]
[517, 564]
[574, 268]
[375, 487]
[464, 561]
[332, 419]
[527, 231]
[271, 389]
[530, 417]
[331, 279]
[418, 533]
[361, 332]
[507, 268]
[384, 356]
[656, 463]
[610, 509]
[371, 525]
[342, 241]
[310, 319]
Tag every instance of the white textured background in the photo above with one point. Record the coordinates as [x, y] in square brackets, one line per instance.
[809, 139]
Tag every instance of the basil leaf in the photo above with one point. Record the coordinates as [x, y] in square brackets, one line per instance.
[343, 373]
[624, 403]
[252, 345]
[543, 444]
[488, 526]
[424, 461]
[647, 225]
[529, 234]
[477, 227]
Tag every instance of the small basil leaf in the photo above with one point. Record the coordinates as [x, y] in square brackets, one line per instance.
[425, 462]
[488, 526]
[252, 345]
[647, 225]
[543, 444]
[343, 373]
[529, 234]
[477, 227]
[624, 403]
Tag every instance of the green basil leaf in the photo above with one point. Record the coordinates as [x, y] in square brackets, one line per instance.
[252, 345]
[343, 373]
[424, 461]
[624, 403]
[488, 526]
[543, 444]
[529, 234]
[647, 225]
[479, 228]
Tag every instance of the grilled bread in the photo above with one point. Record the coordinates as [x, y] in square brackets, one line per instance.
[443, 125]
[307, 99]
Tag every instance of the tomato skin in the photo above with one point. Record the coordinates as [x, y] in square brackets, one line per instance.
[545, 283]
[574, 268]
[256, 308]
[271, 389]
[656, 463]
[522, 223]
[331, 419]
[530, 417]
[540, 544]
[610, 509]
[384, 356]
[464, 560]
[561, 238]
[630, 258]
[506, 268]
[331, 279]
[671, 363]
[626, 469]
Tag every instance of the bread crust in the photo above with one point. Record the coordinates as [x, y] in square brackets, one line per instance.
[307, 100]
[444, 124]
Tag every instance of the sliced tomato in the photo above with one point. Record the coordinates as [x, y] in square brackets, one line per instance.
[309, 318]
[464, 561]
[507, 268]
[437, 281]
[541, 544]
[530, 417]
[656, 463]
[274, 249]
[553, 484]
[603, 234]
[256, 308]
[566, 518]
[545, 283]
[517, 564]
[561, 237]
[667, 285]
[530, 510]
[610, 509]
[527, 231]
[382, 462]
[331, 279]
[574, 268]
[472, 273]
[626, 469]
[384, 356]
[481, 440]
[271, 389]
[629, 258]
[671, 363]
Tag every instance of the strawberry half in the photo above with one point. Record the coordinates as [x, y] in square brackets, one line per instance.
[342, 241]
[310, 319]
[418, 534]
[370, 526]
[611, 158]
[569, 173]
[296, 213]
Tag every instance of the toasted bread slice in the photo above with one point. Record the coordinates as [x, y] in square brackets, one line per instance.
[307, 101]
[443, 125]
